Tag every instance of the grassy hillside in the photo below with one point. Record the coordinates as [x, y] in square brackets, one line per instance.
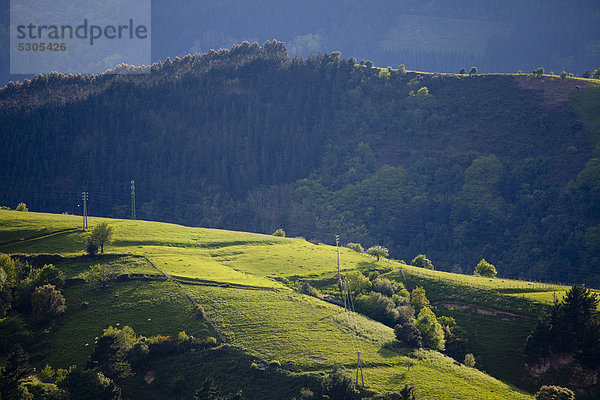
[237, 277]
[460, 167]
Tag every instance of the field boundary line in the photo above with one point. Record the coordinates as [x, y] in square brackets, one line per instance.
[41, 236]
[189, 296]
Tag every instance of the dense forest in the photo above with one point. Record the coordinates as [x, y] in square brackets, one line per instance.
[425, 35]
[458, 167]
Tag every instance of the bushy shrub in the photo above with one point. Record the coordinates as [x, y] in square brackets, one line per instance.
[90, 385]
[279, 232]
[385, 287]
[356, 247]
[377, 306]
[48, 275]
[47, 303]
[431, 330]
[422, 261]
[22, 207]
[91, 248]
[469, 360]
[338, 387]
[408, 335]
[306, 288]
[418, 299]
[554, 393]
[357, 283]
[484, 268]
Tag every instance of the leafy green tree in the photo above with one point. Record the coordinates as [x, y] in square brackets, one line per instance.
[401, 69]
[554, 393]
[408, 334]
[484, 268]
[22, 207]
[357, 283]
[384, 286]
[422, 261]
[356, 247]
[47, 303]
[469, 360]
[377, 306]
[279, 232]
[337, 386]
[539, 71]
[90, 385]
[91, 248]
[100, 274]
[48, 275]
[473, 71]
[431, 330]
[16, 368]
[102, 234]
[418, 299]
[596, 74]
[563, 75]
[573, 327]
[378, 251]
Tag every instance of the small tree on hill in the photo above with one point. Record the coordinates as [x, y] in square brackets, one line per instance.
[431, 330]
[596, 74]
[563, 75]
[47, 303]
[356, 247]
[422, 261]
[357, 283]
[279, 232]
[22, 207]
[539, 71]
[418, 299]
[101, 274]
[462, 71]
[486, 269]
[90, 247]
[473, 71]
[102, 234]
[469, 360]
[378, 251]
[338, 387]
[554, 393]
[408, 334]
[15, 369]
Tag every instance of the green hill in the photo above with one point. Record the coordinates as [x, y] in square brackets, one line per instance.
[244, 283]
[460, 167]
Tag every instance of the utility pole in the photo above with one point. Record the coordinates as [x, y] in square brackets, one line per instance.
[359, 367]
[340, 283]
[84, 197]
[132, 199]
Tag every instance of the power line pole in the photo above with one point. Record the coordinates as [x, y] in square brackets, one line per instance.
[84, 197]
[359, 368]
[340, 283]
[132, 199]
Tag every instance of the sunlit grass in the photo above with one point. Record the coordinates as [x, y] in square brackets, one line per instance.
[232, 274]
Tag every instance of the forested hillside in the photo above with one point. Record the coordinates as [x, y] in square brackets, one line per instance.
[502, 167]
[431, 35]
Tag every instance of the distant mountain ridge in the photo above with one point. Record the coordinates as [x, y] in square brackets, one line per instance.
[502, 167]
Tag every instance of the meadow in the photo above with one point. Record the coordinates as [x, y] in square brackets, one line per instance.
[244, 282]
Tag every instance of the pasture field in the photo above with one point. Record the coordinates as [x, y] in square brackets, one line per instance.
[244, 282]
